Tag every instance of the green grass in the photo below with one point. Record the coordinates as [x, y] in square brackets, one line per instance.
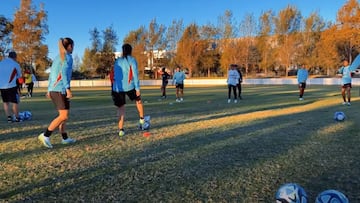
[201, 150]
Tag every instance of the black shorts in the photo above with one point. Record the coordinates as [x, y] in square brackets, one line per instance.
[347, 85]
[119, 97]
[60, 100]
[302, 85]
[10, 95]
[179, 86]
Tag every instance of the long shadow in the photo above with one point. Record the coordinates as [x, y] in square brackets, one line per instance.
[179, 168]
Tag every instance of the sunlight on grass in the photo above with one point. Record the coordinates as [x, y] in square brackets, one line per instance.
[201, 150]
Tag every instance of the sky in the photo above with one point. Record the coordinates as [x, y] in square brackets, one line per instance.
[75, 18]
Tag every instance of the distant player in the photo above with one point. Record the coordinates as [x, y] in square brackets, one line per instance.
[59, 92]
[232, 82]
[302, 76]
[165, 80]
[346, 70]
[240, 81]
[178, 81]
[10, 73]
[126, 83]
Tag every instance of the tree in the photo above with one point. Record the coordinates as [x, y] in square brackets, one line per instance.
[154, 41]
[173, 35]
[287, 27]
[28, 36]
[210, 57]
[247, 32]
[6, 28]
[188, 51]
[227, 42]
[348, 32]
[265, 40]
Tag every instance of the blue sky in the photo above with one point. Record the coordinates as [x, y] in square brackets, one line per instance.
[74, 18]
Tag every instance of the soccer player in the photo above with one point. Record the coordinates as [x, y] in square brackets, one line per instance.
[345, 70]
[240, 81]
[59, 92]
[178, 81]
[126, 83]
[232, 81]
[165, 79]
[302, 75]
[10, 72]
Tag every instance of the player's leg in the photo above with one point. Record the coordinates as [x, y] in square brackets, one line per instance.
[229, 93]
[239, 90]
[343, 89]
[348, 90]
[182, 92]
[235, 93]
[119, 102]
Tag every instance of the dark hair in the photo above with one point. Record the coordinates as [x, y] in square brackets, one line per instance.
[67, 41]
[126, 50]
[12, 54]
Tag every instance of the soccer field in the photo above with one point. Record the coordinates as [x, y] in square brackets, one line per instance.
[200, 150]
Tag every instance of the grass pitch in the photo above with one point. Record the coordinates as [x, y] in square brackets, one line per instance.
[200, 150]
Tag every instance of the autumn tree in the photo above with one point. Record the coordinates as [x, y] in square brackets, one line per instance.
[188, 51]
[348, 29]
[265, 41]
[247, 32]
[106, 57]
[310, 35]
[209, 59]
[287, 27]
[6, 28]
[227, 43]
[28, 36]
[137, 39]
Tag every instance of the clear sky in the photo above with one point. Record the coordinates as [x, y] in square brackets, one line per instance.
[75, 18]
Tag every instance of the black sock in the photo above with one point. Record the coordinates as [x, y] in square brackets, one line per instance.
[47, 133]
[141, 117]
[64, 136]
[122, 129]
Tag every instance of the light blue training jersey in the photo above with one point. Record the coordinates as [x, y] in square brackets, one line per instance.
[60, 74]
[126, 75]
[346, 74]
[302, 75]
[179, 77]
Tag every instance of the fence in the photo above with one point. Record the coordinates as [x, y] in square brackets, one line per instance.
[262, 81]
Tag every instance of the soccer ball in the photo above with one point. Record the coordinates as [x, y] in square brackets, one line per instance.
[331, 196]
[146, 125]
[339, 116]
[291, 193]
[27, 115]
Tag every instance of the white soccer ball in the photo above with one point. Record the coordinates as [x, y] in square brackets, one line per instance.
[339, 116]
[291, 193]
[331, 196]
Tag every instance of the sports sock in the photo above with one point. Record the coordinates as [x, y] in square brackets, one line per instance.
[47, 133]
[64, 136]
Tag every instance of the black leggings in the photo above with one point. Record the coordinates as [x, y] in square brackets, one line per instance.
[233, 87]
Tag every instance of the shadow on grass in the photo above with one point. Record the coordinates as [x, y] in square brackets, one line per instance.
[200, 166]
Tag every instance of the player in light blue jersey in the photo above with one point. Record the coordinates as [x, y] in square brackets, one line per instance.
[346, 71]
[59, 92]
[302, 76]
[126, 83]
[178, 80]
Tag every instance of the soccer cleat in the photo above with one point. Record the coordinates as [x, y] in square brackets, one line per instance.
[349, 104]
[181, 99]
[9, 119]
[235, 101]
[229, 100]
[67, 141]
[18, 120]
[178, 100]
[121, 133]
[45, 140]
[344, 103]
[301, 99]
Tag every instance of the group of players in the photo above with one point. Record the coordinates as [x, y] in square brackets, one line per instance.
[125, 82]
